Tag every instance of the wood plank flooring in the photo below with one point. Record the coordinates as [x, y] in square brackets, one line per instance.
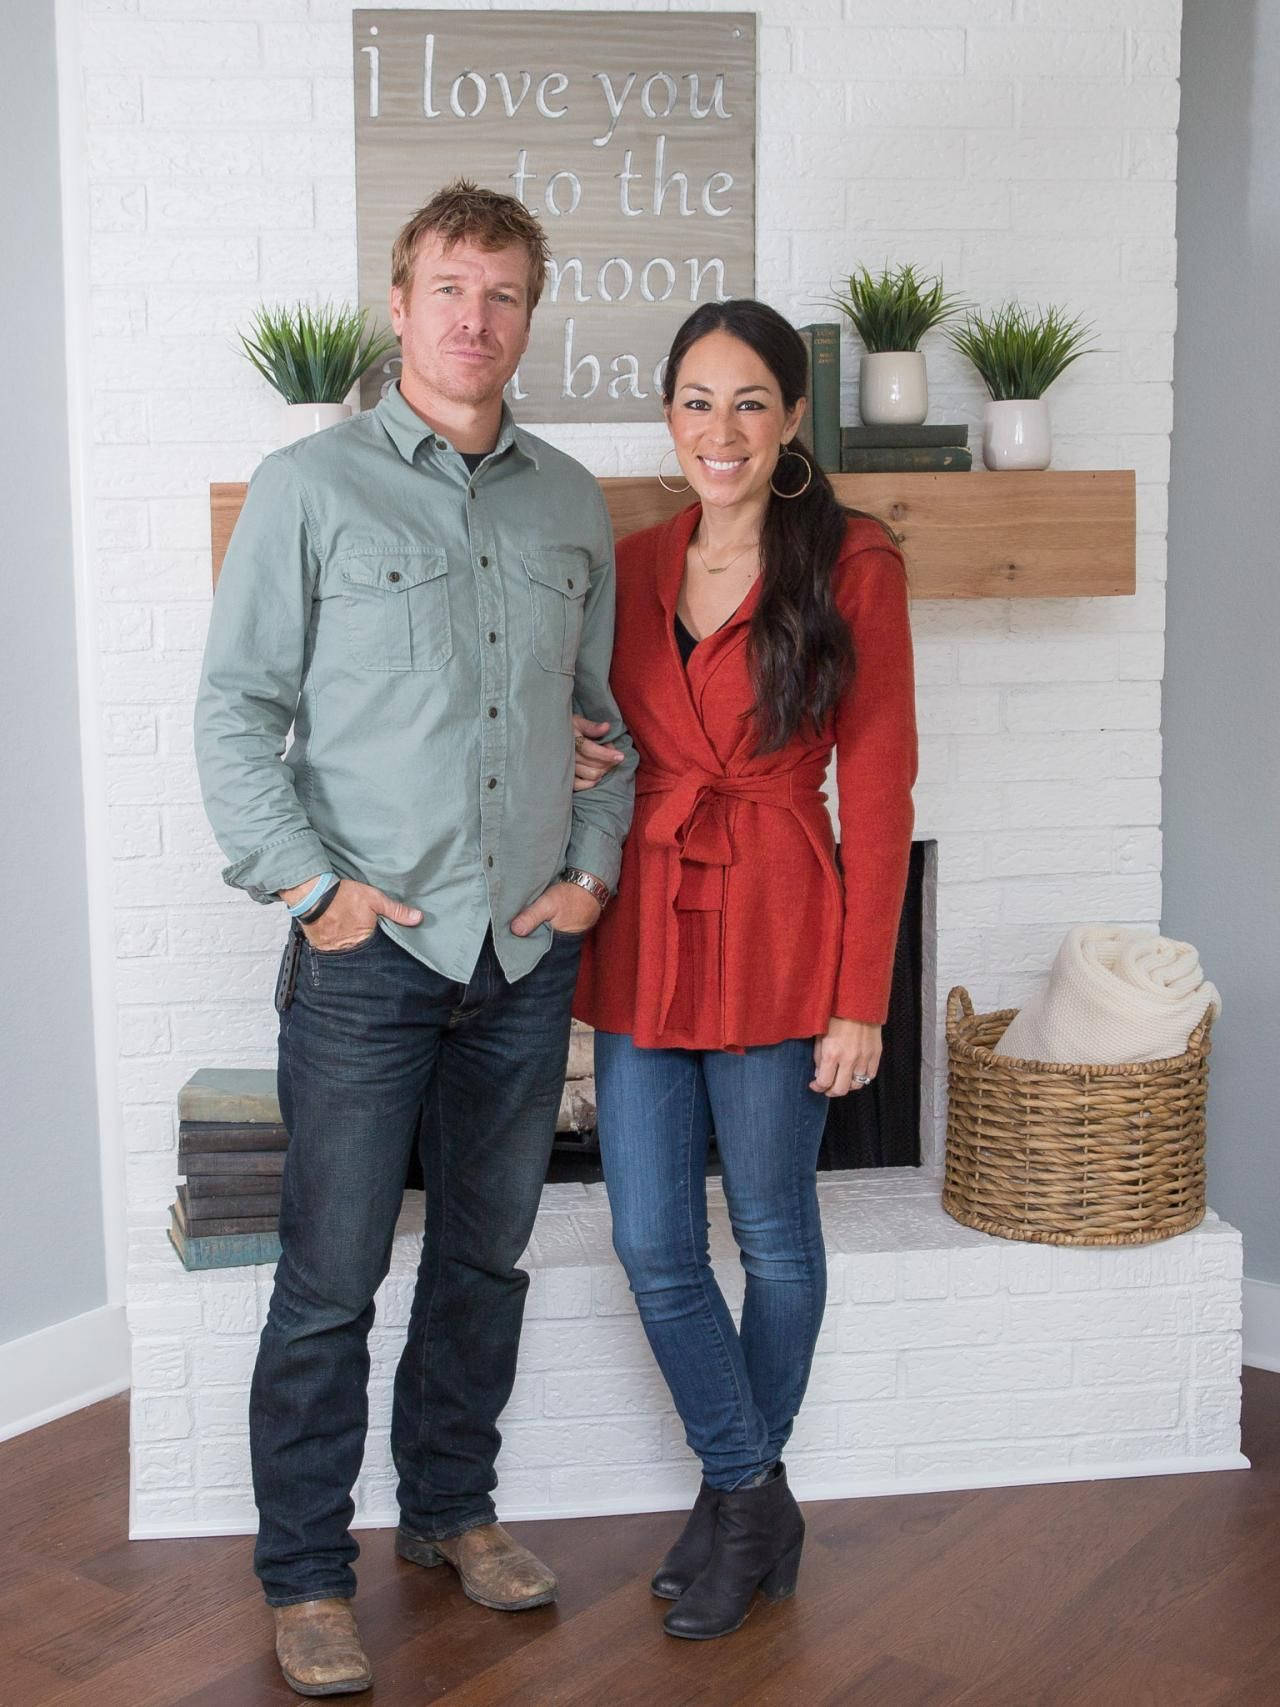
[1148, 1592]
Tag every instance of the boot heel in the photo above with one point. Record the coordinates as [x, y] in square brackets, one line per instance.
[780, 1584]
[417, 1550]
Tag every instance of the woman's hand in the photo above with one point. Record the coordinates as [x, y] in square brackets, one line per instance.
[849, 1048]
[591, 760]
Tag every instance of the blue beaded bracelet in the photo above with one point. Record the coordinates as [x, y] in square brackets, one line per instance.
[323, 885]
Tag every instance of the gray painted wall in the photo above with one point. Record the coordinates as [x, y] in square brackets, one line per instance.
[51, 1254]
[1221, 722]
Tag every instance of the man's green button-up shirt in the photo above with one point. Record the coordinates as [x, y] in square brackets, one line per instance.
[427, 634]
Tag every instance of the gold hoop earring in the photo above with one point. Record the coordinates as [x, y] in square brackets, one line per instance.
[808, 474]
[670, 451]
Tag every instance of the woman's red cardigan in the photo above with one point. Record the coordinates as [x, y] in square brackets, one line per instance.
[731, 926]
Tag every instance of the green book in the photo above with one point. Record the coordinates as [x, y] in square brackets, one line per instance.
[821, 425]
[223, 1250]
[231, 1094]
[943, 459]
[903, 437]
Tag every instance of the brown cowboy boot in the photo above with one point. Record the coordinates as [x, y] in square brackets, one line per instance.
[494, 1569]
[319, 1650]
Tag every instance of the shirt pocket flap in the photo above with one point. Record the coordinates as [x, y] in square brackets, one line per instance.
[392, 571]
[565, 570]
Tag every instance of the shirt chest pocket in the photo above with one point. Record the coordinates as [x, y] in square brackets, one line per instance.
[397, 605]
[557, 590]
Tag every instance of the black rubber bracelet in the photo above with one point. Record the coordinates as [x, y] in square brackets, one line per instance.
[324, 901]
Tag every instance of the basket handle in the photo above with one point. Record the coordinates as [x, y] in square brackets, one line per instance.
[1198, 1042]
[958, 1007]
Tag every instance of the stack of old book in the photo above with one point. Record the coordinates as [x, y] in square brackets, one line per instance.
[231, 1146]
[925, 449]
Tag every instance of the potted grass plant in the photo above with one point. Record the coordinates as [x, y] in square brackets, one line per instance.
[1019, 355]
[313, 357]
[891, 314]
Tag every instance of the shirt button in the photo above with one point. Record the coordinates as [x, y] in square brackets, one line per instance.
[471, 493]
[493, 782]
[571, 586]
[394, 575]
[484, 564]
[492, 638]
[489, 862]
[493, 711]
[441, 445]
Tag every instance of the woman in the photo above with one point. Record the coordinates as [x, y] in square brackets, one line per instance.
[738, 981]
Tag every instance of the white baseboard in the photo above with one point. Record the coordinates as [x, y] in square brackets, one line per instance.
[805, 1488]
[60, 1369]
[1261, 1324]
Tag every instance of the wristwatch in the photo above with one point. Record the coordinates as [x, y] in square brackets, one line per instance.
[585, 880]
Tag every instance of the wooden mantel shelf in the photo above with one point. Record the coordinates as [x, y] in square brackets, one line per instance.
[1044, 534]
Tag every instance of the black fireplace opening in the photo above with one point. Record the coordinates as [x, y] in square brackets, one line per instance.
[877, 1127]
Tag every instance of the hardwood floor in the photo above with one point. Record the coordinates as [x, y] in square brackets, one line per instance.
[1152, 1592]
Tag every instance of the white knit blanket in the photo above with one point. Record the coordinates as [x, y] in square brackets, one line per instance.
[1113, 995]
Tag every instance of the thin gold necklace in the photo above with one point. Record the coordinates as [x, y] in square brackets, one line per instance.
[720, 568]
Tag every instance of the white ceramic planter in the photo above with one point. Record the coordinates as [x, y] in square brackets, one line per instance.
[893, 388]
[302, 419]
[1015, 433]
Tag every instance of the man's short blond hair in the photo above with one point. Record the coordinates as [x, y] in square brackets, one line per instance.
[463, 212]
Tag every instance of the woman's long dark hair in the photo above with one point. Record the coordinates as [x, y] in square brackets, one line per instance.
[799, 648]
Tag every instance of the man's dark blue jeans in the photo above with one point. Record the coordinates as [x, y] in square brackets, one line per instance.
[371, 1041]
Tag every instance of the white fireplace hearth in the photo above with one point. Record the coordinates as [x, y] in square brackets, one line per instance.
[948, 1359]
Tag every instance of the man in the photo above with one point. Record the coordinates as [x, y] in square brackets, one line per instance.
[425, 593]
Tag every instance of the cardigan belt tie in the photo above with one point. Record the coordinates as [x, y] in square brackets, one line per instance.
[692, 823]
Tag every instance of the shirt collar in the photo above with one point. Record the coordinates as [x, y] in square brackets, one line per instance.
[408, 431]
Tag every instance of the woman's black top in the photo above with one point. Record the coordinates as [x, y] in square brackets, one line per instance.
[685, 641]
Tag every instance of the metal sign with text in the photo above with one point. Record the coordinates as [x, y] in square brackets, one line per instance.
[631, 136]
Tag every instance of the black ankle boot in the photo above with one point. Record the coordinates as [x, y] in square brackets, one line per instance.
[691, 1552]
[759, 1534]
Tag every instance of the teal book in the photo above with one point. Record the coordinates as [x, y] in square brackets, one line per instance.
[888, 437]
[223, 1250]
[230, 1094]
[822, 424]
[941, 459]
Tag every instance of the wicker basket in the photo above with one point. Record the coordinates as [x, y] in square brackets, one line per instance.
[1067, 1155]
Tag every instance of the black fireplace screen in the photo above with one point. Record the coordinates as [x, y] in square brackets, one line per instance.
[879, 1127]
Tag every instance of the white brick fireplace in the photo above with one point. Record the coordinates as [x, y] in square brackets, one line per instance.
[947, 1359]
[1016, 152]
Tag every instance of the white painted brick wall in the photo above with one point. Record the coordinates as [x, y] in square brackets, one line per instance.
[1021, 148]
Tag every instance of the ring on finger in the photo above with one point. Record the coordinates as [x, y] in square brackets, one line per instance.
[862, 1078]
